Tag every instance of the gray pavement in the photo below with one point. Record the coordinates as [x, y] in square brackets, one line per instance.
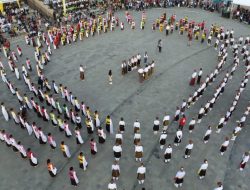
[129, 99]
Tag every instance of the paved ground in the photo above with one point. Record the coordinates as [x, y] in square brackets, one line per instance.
[129, 99]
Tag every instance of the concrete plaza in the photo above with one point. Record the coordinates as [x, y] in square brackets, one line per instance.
[131, 100]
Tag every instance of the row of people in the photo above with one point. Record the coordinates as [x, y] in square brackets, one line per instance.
[133, 63]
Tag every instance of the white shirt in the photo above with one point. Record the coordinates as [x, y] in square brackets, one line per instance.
[226, 143]
[207, 105]
[140, 70]
[115, 167]
[190, 146]
[204, 166]
[166, 118]
[221, 120]
[137, 136]
[138, 148]
[200, 73]
[245, 158]
[177, 112]
[163, 136]
[194, 74]
[118, 136]
[243, 119]
[179, 134]
[184, 104]
[141, 170]
[192, 122]
[112, 186]
[81, 69]
[202, 110]
[237, 129]
[168, 150]
[117, 148]
[219, 188]
[122, 123]
[213, 100]
[180, 174]
[208, 132]
[156, 122]
[1, 136]
[137, 124]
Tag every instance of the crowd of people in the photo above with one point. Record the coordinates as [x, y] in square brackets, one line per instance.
[55, 103]
[241, 14]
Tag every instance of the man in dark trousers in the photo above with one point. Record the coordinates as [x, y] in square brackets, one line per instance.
[159, 45]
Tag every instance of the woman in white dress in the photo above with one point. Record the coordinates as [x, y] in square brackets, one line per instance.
[22, 150]
[65, 150]
[79, 139]
[97, 120]
[51, 141]
[35, 130]
[67, 130]
[4, 112]
[32, 158]
[101, 135]
[42, 137]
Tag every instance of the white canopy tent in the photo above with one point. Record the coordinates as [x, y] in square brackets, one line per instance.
[7, 1]
[244, 3]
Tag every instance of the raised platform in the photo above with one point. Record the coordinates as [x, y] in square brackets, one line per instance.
[38, 5]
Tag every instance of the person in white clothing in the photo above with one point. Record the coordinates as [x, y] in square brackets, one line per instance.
[42, 136]
[137, 126]
[51, 141]
[118, 138]
[221, 124]
[191, 125]
[193, 78]
[245, 159]
[156, 126]
[203, 169]
[82, 77]
[168, 154]
[166, 121]
[138, 152]
[163, 138]
[122, 125]
[117, 149]
[73, 177]
[207, 134]
[137, 137]
[178, 138]
[201, 114]
[179, 177]
[4, 112]
[141, 174]
[112, 185]
[224, 146]
[115, 170]
[219, 186]
[65, 150]
[188, 150]
[51, 168]
[236, 131]
[199, 76]
[79, 139]
[22, 150]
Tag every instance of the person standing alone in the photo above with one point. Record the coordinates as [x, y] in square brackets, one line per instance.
[159, 45]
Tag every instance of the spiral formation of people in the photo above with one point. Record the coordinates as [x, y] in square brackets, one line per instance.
[139, 97]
